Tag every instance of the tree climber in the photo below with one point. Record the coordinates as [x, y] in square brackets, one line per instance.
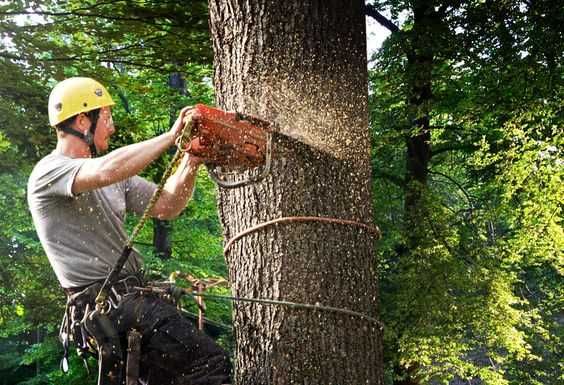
[78, 201]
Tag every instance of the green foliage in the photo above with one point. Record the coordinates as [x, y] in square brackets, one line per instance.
[133, 48]
[479, 296]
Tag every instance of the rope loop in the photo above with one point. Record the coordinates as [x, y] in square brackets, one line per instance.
[374, 230]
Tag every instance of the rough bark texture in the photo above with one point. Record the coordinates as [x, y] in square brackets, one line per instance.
[301, 65]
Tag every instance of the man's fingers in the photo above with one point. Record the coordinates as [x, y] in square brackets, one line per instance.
[185, 110]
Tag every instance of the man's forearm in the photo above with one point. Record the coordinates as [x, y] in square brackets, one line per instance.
[120, 164]
[177, 190]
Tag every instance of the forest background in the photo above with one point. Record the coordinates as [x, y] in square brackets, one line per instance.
[467, 135]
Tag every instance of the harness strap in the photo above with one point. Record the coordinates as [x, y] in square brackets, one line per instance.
[64, 335]
[110, 354]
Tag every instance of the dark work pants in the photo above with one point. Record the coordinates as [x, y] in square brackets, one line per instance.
[173, 350]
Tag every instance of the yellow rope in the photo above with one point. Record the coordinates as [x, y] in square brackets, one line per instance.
[181, 141]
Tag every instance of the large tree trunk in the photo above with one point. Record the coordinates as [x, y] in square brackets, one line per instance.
[301, 65]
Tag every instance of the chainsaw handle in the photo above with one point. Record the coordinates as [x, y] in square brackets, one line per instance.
[240, 183]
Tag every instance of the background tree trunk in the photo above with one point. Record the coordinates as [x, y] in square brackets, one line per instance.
[420, 57]
[301, 65]
[420, 65]
[162, 229]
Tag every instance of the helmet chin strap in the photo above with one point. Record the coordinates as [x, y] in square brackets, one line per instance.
[88, 136]
[89, 139]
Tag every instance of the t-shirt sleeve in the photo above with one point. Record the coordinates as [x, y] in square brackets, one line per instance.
[55, 177]
[138, 192]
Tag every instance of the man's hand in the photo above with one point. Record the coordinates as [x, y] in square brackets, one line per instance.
[178, 125]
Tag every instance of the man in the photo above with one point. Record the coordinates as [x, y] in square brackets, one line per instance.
[79, 202]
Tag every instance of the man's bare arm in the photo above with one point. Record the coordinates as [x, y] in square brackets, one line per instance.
[126, 161]
[120, 164]
[177, 190]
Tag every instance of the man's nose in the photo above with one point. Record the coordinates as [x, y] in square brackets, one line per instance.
[110, 125]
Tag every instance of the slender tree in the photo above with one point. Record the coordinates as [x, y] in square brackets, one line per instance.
[302, 66]
[162, 228]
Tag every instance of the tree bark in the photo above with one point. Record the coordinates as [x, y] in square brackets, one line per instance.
[301, 65]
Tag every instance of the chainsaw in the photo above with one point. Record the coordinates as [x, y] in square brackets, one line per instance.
[229, 140]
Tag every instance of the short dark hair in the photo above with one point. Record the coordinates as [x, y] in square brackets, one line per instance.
[66, 123]
[92, 115]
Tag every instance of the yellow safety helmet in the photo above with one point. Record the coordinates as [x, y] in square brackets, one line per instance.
[75, 95]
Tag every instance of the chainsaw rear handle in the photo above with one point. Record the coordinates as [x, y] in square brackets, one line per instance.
[216, 177]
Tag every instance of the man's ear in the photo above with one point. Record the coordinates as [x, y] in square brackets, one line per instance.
[82, 122]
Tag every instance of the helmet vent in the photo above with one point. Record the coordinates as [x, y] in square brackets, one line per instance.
[85, 104]
[59, 106]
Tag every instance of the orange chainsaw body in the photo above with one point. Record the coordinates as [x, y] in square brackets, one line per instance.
[227, 138]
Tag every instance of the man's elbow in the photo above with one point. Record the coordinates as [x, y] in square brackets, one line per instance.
[166, 212]
[169, 216]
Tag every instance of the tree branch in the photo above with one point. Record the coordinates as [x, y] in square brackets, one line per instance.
[71, 13]
[460, 187]
[439, 150]
[389, 177]
[96, 5]
[81, 58]
[371, 11]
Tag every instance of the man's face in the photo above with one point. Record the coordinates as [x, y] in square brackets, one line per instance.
[104, 129]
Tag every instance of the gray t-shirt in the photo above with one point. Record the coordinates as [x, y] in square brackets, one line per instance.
[83, 235]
